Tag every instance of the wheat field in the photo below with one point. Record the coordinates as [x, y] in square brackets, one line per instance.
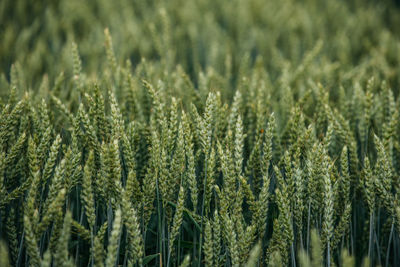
[199, 133]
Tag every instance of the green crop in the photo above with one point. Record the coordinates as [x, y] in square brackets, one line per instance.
[199, 133]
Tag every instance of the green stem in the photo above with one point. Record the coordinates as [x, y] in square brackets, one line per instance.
[388, 247]
[202, 209]
[159, 222]
[371, 227]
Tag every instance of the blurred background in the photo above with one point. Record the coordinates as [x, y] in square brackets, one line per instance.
[36, 36]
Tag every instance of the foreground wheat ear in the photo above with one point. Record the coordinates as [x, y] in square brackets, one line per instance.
[199, 133]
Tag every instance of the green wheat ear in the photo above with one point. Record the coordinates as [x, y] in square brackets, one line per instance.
[186, 261]
[131, 222]
[275, 260]
[61, 256]
[78, 81]
[304, 259]
[112, 62]
[347, 260]
[98, 247]
[177, 220]
[254, 256]
[231, 239]
[33, 251]
[316, 249]
[4, 260]
[46, 261]
[208, 245]
[87, 192]
[113, 246]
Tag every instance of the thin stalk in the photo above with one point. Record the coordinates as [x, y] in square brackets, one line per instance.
[388, 247]
[41, 243]
[378, 225]
[342, 243]
[202, 209]
[371, 227]
[395, 245]
[92, 233]
[20, 249]
[308, 226]
[179, 234]
[354, 224]
[328, 254]
[194, 239]
[194, 242]
[92, 248]
[179, 247]
[164, 249]
[293, 255]
[144, 231]
[169, 253]
[126, 253]
[77, 246]
[159, 221]
[378, 249]
[351, 237]
[301, 240]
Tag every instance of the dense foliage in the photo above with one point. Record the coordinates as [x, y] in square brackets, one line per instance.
[192, 133]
